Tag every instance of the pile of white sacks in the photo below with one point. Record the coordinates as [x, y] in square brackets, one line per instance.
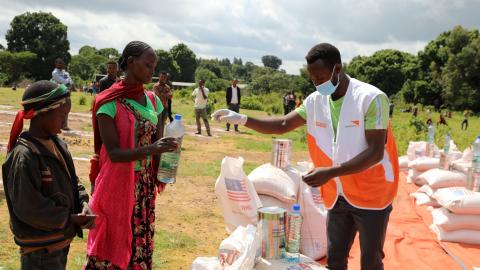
[455, 210]
[240, 197]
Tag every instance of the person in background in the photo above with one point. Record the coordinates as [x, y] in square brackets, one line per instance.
[61, 76]
[291, 101]
[415, 111]
[110, 78]
[48, 205]
[128, 138]
[163, 91]
[391, 109]
[285, 104]
[442, 120]
[353, 151]
[466, 113]
[169, 110]
[429, 122]
[233, 100]
[201, 97]
[299, 101]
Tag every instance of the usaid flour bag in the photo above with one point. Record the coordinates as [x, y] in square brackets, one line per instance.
[313, 241]
[275, 182]
[236, 195]
[239, 251]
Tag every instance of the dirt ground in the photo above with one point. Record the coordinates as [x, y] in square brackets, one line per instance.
[189, 222]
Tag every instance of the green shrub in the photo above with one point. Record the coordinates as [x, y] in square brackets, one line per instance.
[82, 100]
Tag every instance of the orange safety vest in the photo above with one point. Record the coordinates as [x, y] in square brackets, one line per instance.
[374, 188]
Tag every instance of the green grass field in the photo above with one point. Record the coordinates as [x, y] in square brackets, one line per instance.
[189, 222]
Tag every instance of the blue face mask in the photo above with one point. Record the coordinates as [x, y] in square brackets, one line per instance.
[327, 88]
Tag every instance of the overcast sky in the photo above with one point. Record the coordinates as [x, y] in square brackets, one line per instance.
[250, 29]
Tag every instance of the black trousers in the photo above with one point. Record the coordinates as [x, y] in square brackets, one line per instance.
[343, 223]
[169, 110]
[235, 108]
[43, 260]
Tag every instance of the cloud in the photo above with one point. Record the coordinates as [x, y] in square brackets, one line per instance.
[251, 29]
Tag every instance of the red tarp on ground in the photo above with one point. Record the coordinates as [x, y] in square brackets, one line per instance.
[410, 244]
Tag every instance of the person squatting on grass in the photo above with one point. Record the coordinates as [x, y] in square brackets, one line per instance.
[48, 205]
[353, 149]
[128, 130]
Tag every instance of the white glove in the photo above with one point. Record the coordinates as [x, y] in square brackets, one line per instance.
[230, 117]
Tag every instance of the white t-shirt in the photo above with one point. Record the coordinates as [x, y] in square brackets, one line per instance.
[200, 102]
[234, 96]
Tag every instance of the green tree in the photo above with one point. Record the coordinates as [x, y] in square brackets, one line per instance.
[2, 48]
[42, 34]
[166, 63]
[461, 78]
[271, 61]
[186, 60]
[237, 61]
[14, 64]
[109, 53]
[87, 63]
[385, 69]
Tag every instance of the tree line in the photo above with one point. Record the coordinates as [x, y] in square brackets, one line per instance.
[446, 73]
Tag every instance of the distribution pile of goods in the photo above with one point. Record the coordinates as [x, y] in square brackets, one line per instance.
[275, 220]
[449, 183]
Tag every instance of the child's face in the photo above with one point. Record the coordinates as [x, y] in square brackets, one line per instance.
[53, 120]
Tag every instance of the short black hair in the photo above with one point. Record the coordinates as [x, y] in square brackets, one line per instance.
[325, 51]
[133, 48]
[112, 62]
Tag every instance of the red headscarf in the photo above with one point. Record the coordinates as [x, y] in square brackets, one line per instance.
[17, 127]
[116, 91]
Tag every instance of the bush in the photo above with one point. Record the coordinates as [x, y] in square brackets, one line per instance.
[82, 100]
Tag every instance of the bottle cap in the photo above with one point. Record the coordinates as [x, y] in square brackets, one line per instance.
[296, 207]
[178, 117]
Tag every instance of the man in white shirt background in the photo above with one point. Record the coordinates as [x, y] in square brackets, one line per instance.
[61, 76]
[233, 100]
[201, 97]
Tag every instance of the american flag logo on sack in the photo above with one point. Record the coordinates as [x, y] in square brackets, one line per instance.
[317, 198]
[236, 190]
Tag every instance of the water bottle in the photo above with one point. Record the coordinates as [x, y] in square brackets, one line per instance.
[446, 147]
[476, 155]
[444, 157]
[167, 169]
[294, 218]
[431, 140]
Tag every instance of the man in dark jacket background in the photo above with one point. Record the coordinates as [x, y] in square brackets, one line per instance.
[233, 100]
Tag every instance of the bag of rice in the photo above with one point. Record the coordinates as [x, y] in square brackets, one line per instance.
[403, 163]
[438, 178]
[275, 182]
[424, 199]
[459, 200]
[449, 221]
[424, 164]
[460, 236]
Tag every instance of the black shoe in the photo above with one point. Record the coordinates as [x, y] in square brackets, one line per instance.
[198, 133]
[209, 134]
[228, 129]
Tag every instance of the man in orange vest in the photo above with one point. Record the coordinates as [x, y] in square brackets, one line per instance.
[353, 149]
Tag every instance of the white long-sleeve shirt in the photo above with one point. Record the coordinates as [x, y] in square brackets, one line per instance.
[60, 76]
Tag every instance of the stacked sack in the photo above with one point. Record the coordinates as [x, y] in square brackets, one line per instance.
[240, 196]
[455, 210]
[283, 188]
[458, 219]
